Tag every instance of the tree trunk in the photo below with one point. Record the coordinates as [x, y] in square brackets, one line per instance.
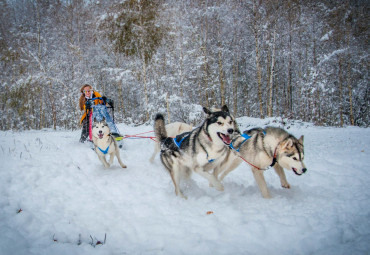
[221, 78]
[235, 85]
[289, 96]
[349, 71]
[181, 73]
[340, 74]
[349, 86]
[145, 89]
[53, 108]
[205, 79]
[121, 102]
[271, 77]
[258, 65]
[168, 109]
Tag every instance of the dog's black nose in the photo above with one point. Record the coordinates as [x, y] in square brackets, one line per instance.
[304, 170]
[230, 130]
[100, 131]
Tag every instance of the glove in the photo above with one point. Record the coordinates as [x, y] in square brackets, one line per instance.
[110, 102]
[88, 104]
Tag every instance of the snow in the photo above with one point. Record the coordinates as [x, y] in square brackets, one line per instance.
[56, 198]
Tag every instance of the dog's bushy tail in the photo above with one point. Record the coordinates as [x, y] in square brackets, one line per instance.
[160, 128]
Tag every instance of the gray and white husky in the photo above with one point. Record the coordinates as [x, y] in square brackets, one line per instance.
[262, 148]
[173, 129]
[104, 143]
[200, 150]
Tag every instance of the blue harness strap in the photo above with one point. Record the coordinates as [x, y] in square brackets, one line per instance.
[210, 160]
[178, 144]
[105, 151]
[246, 137]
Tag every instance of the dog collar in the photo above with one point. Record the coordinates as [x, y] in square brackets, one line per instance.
[105, 151]
[274, 161]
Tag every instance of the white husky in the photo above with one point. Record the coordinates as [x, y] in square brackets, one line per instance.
[261, 148]
[105, 143]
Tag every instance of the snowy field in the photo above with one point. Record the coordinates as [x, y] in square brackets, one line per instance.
[56, 198]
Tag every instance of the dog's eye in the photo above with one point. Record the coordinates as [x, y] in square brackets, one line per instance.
[295, 158]
[219, 123]
[231, 122]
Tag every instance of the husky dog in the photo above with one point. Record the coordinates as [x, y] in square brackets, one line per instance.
[105, 143]
[173, 129]
[261, 148]
[200, 150]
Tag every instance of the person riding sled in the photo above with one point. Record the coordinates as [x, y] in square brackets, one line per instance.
[90, 99]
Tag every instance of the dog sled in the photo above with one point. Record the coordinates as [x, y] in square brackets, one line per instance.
[99, 112]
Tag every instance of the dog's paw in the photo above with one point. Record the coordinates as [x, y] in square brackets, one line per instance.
[180, 194]
[219, 186]
[266, 194]
[285, 185]
[123, 166]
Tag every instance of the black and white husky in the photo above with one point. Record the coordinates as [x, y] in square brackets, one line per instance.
[200, 150]
[262, 148]
[104, 143]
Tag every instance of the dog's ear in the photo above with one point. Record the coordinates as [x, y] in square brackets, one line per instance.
[103, 119]
[300, 140]
[95, 120]
[225, 108]
[208, 112]
[287, 143]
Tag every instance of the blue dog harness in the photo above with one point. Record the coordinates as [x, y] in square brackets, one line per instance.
[105, 151]
[246, 137]
[178, 144]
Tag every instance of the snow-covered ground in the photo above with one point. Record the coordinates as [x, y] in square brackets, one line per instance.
[56, 198]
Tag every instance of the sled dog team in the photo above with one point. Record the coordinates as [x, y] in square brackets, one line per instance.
[214, 149]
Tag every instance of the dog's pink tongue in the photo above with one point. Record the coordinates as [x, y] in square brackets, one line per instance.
[226, 139]
[101, 136]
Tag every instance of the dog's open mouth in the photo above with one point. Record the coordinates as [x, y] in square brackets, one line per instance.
[295, 171]
[100, 136]
[225, 138]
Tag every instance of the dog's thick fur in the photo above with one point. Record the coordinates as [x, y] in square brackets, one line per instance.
[265, 147]
[201, 150]
[173, 129]
[105, 142]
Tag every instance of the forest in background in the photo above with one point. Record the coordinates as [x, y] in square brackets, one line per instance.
[304, 60]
